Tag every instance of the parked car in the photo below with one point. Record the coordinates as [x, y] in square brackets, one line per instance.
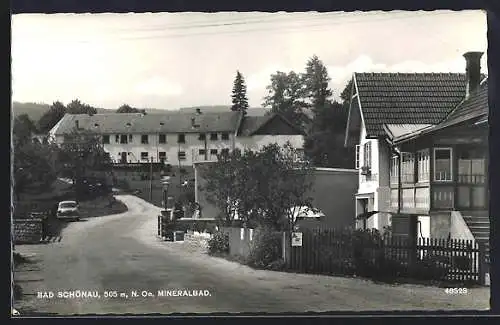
[68, 210]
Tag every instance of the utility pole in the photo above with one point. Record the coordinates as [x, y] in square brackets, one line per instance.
[151, 181]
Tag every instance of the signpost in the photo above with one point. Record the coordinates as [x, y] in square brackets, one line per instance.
[296, 239]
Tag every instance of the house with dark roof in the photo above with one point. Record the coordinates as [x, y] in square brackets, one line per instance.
[178, 137]
[439, 173]
[393, 105]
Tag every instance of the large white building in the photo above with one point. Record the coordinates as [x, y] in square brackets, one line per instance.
[179, 138]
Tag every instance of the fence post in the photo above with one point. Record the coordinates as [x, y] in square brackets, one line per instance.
[482, 268]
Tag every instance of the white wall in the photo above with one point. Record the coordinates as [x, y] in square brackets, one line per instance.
[191, 147]
[368, 185]
[378, 183]
[425, 227]
[256, 142]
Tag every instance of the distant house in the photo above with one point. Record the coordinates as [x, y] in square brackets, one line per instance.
[440, 172]
[178, 138]
[407, 103]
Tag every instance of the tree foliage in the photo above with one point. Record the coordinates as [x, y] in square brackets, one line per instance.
[23, 127]
[318, 92]
[77, 107]
[127, 109]
[34, 166]
[285, 95]
[50, 118]
[82, 151]
[260, 188]
[239, 94]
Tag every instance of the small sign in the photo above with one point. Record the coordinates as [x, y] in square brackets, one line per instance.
[296, 239]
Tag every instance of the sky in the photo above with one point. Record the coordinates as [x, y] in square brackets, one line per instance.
[173, 60]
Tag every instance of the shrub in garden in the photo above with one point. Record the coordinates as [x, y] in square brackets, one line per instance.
[218, 243]
[265, 250]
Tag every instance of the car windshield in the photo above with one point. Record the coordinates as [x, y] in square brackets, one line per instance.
[66, 205]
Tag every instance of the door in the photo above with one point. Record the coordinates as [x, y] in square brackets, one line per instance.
[123, 157]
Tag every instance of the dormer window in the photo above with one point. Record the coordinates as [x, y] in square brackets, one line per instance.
[96, 125]
[162, 124]
[128, 124]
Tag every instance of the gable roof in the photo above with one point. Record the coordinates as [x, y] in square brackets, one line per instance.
[251, 124]
[475, 108]
[168, 122]
[406, 98]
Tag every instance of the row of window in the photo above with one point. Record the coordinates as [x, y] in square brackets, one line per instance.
[181, 138]
[416, 168]
[162, 155]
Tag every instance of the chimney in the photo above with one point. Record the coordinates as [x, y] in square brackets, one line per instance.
[193, 123]
[77, 125]
[472, 71]
[198, 111]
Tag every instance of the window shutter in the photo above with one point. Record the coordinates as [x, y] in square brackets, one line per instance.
[357, 157]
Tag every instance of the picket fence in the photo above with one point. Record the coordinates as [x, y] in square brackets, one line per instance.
[330, 251]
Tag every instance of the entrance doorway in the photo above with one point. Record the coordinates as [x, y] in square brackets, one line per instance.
[123, 159]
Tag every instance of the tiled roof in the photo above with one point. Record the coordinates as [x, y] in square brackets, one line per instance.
[250, 124]
[407, 98]
[474, 106]
[168, 122]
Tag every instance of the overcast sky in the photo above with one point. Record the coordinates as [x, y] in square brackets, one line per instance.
[166, 60]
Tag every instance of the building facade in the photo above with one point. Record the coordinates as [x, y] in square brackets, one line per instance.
[440, 173]
[407, 103]
[179, 138]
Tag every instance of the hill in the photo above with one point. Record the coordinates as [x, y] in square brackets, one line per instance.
[252, 111]
[36, 110]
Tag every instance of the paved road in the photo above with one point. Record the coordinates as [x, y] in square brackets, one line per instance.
[121, 253]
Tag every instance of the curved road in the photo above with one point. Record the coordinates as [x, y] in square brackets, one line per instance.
[121, 253]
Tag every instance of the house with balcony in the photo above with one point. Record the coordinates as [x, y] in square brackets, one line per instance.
[178, 138]
[439, 173]
[402, 103]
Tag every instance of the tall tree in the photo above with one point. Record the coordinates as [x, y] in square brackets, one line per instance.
[324, 145]
[77, 107]
[239, 95]
[285, 95]
[127, 109]
[50, 118]
[318, 92]
[23, 127]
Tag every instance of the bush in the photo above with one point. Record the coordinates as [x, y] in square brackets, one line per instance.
[218, 243]
[265, 250]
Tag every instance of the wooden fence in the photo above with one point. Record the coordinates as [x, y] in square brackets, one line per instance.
[329, 251]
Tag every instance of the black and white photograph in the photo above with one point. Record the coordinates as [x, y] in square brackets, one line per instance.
[249, 162]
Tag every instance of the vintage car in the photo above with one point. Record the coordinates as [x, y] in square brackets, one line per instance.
[68, 210]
